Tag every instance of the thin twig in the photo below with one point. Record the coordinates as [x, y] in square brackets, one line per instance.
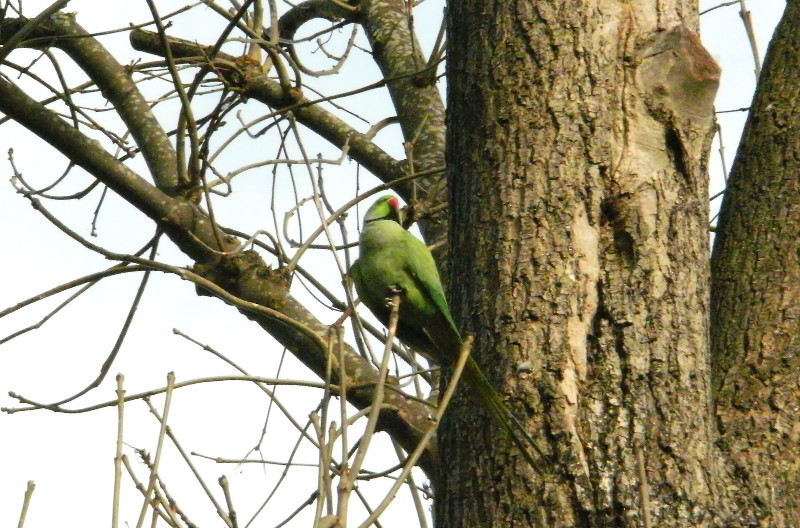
[186, 115]
[722, 154]
[283, 476]
[724, 4]
[118, 456]
[158, 508]
[414, 491]
[161, 435]
[266, 390]
[25, 503]
[153, 392]
[240, 461]
[412, 460]
[223, 483]
[743, 109]
[106, 366]
[343, 400]
[747, 20]
[377, 401]
[349, 476]
[322, 473]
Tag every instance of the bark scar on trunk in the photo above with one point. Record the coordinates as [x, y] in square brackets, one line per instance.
[679, 80]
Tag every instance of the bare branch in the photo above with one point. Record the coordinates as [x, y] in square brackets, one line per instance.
[396, 51]
[269, 92]
[116, 85]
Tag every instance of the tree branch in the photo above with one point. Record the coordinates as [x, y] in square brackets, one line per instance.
[242, 275]
[419, 106]
[269, 92]
[61, 31]
[183, 221]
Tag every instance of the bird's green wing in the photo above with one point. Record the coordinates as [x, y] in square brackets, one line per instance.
[421, 268]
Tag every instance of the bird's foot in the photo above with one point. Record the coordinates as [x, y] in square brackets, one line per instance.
[394, 292]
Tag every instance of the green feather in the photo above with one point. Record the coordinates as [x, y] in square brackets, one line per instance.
[392, 259]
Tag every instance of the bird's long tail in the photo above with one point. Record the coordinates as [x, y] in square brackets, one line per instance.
[475, 378]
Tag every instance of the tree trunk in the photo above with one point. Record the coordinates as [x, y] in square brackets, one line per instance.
[756, 291]
[577, 144]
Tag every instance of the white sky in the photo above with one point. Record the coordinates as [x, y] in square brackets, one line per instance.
[70, 456]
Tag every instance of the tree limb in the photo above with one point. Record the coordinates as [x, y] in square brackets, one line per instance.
[244, 275]
[269, 92]
[61, 31]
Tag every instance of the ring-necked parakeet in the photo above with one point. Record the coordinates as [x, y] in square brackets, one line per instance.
[391, 261]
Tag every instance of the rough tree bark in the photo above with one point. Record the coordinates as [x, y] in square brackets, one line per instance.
[756, 292]
[577, 145]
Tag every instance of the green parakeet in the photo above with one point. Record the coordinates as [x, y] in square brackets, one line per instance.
[393, 261]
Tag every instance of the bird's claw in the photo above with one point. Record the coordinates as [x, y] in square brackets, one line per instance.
[393, 291]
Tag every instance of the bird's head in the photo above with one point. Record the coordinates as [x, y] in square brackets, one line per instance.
[385, 208]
